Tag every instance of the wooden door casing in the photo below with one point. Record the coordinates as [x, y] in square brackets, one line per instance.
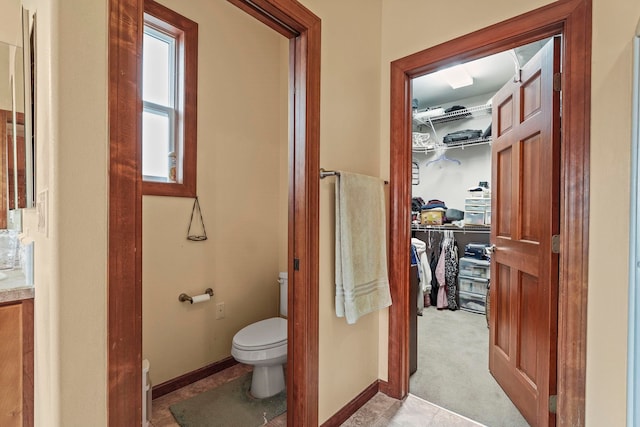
[303, 28]
[572, 19]
[526, 182]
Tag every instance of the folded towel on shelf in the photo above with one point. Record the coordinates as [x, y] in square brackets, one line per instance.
[362, 283]
[434, 204]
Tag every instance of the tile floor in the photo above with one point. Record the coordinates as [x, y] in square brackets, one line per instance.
[380, 411]
[383, 411]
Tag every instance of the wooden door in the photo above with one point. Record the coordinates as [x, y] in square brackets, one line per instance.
[524, 270]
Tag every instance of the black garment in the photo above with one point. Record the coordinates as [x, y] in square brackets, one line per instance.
[451, 274]
[433, 295]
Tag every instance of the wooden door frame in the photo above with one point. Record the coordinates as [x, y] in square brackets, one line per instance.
[302, 28]
[572, 19]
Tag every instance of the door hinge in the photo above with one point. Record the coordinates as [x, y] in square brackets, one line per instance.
[555, 244]
[296, 264]
[557, 82]
[553, 404]
[518, 77]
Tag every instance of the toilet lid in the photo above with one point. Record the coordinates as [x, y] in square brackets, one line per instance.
[262, 335]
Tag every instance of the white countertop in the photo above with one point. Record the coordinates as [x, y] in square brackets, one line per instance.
[13, 287]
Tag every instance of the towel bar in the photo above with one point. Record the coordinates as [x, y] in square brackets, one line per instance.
[325, 173]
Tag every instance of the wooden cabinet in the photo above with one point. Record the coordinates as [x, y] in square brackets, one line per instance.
[16, 363]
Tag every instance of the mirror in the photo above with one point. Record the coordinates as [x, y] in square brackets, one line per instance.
[16, 147]
[16, 142]
[11, 131]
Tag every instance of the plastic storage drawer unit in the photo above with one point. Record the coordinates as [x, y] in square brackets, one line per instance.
[475, 208]
[478, 201]
[475, 303]
[474, 218]
[474, 286]
[471, 267]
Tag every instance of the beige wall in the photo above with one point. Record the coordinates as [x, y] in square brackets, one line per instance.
[71, 257]
[11, 22]
[283, 193]
[48, 366]
[240, 102]
[349, 141]
[71, 384]
[614, 24]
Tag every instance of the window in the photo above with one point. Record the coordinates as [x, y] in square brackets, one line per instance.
[169, 102]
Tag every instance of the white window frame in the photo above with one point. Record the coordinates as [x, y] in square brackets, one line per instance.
[165, 110]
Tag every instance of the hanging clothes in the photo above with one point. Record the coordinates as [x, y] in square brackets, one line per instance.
[424, 272]
[433, 263]
[446, 272]
[415, 260]
[451, 271]
[442, 283]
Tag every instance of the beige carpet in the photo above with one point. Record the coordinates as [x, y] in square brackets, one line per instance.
[453, 368]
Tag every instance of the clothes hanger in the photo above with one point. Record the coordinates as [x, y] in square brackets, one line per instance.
[443, 157]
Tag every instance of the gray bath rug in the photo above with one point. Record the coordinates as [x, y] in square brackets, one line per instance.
[229, 405]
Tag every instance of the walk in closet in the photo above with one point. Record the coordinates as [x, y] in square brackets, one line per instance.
[452, 204]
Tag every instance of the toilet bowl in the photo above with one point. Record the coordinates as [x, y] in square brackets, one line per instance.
[264, 345]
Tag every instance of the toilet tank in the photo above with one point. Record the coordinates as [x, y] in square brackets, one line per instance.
[284, 283]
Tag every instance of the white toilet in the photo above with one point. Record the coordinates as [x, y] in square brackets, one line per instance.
[264, 345]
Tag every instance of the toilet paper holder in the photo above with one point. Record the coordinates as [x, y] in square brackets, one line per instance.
[184, 297]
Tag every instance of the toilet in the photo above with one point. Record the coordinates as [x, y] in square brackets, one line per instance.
[264, 345]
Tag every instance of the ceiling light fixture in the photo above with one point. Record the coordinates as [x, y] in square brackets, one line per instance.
[457, 76]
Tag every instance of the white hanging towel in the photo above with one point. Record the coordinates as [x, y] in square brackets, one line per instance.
[362, 282]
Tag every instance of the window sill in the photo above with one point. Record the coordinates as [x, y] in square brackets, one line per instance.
[150, 188]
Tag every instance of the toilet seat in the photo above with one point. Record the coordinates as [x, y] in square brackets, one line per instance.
[263, 335]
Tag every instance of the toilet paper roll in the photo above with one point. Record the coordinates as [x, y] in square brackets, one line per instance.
[200, 298]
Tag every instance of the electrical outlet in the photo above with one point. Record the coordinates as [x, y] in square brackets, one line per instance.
[220, 310]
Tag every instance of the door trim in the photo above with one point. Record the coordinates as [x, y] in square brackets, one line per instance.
[294, 21]
[572, 19]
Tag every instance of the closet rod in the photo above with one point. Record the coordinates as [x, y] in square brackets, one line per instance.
[455, 230]
[461, 145]
[325, 173]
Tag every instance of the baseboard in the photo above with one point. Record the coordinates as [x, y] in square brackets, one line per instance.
[191, 377]
[350, 408]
